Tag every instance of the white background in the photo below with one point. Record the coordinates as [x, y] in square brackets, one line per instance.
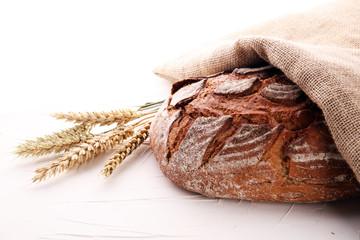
[99, 55]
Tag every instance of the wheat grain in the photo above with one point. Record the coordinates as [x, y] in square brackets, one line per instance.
[54, 143]
[126, 149]
[83, 152]
[121, 116]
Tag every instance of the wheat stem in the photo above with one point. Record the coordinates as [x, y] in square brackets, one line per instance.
[83, 152]
[126, 149]
[54, 143]
[151, 106]
[145, 119]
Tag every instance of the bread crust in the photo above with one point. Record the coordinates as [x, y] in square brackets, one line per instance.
[249, 134]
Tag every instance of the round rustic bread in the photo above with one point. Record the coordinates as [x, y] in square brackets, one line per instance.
[249, 134]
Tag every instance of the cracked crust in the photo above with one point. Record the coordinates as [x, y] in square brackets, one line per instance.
[249, 134]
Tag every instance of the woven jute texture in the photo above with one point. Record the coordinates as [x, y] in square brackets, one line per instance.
[318, 50]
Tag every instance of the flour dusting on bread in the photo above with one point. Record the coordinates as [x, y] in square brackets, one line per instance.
[249, 134]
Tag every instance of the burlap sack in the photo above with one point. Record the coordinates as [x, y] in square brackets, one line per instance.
[318, 50]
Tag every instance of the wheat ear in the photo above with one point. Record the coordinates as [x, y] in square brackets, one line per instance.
[84, 152]
[54, 143]
[126, 149]
[121, 116]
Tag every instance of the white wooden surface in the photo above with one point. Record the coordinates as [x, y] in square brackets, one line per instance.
[99, 55]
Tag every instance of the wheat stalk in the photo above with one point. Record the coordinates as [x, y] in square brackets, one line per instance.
[80, 145]
[126, 149]
[54, 143]
[121, 116]
[83, 152]
[151, 106]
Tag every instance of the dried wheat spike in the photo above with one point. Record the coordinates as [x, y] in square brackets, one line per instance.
[121, 116]
[54, 143]
[126, 149]
[83, 152]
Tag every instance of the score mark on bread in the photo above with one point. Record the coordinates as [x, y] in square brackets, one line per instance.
[241, 88]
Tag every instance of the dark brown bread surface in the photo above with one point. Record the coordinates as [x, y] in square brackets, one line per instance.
[249, 134]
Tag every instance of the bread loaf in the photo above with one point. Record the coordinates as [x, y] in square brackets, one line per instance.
[249, 134]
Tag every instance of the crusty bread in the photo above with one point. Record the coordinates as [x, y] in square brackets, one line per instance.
[249, 134]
